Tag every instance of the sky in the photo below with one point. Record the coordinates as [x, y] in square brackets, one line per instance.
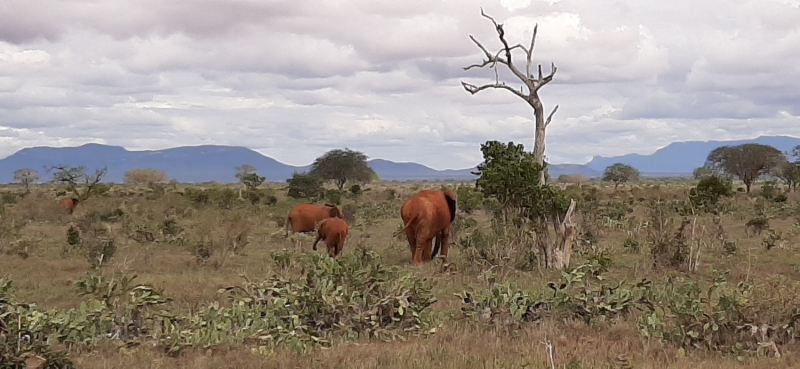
[293, 79]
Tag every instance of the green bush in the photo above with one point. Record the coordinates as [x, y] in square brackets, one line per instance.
[355, 190]
[709, 191]
[9, 198]
[769, 190]
[334, 196]
[303, 185]
[468, 199]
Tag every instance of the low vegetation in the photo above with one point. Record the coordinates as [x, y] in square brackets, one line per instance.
[656, 274]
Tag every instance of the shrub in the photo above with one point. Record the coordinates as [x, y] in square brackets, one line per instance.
[468, 198]
[710, 190]
[355, 190]
[769, 190]
[334, 196]
[196, 195]
[350, 211]
[303, 185]
[9, 198]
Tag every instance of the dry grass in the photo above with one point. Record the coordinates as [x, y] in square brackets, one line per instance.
[45, 277]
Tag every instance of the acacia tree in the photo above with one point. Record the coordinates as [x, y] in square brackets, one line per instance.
[620, 173]
[745, 161]
[26, 176]
[789, 172]
[243, 170]
[76, 177]
[532, 83]
[148, 176]
[341, 166]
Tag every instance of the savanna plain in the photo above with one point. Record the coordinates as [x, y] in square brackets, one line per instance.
[195, 276]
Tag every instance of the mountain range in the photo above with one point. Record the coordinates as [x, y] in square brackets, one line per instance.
[684, 157]
[194, 163]
[217, 163]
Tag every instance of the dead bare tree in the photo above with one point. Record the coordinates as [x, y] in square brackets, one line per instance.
[74, 177]
[532, 82]
[555, 251]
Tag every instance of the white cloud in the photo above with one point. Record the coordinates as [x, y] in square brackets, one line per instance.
[384, 76]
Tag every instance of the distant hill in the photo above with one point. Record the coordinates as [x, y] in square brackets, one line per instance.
[684, 157]
[213, 163]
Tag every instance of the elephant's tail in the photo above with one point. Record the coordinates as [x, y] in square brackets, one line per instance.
[404, 228]
[288, 224]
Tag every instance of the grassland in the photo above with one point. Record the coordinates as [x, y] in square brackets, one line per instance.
[156, 233]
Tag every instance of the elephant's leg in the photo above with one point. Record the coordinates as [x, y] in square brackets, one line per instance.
[319, 237]
[422, 251]
[331, 250]
[445, 243]
[419, 249]
[426, 251]
[437, 245]
[412, 241]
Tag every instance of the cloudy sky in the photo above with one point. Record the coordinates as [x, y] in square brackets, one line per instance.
[295, 78]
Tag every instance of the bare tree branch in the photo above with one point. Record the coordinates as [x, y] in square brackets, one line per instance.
[549, 117]
[475, 89]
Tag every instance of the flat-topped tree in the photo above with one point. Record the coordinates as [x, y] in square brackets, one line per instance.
[532, 83]
[745, 161]
[341, 166]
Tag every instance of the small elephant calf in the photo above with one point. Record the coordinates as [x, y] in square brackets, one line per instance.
[333, 231]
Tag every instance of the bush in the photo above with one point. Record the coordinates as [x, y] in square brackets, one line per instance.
[468, 199]
[350, 211]
[769, 190]
[334, 196]
[196, 195]
[710, 190]
[303, 185]
[355, 190]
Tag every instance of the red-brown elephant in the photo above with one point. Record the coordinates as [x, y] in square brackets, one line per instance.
[69, 203]
[304, 216]
[333, 231]
[427, 215]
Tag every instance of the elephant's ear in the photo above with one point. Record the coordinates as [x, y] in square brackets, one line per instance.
[450, 197]
[335, 212]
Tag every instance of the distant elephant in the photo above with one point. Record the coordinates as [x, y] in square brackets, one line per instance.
[69, 203]
[304, 216]
[333, 231]
[427, 215]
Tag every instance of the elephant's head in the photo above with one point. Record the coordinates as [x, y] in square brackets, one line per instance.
[75, 201]
[334, 211]
[450, 197]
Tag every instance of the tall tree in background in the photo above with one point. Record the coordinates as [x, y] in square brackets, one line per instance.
[26, 176]
[341, 166]
[532, 83]
[789, 170]
[244, 170]
[620, 173]
[746, 161]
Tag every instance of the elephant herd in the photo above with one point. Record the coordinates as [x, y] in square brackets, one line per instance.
[426, 215]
